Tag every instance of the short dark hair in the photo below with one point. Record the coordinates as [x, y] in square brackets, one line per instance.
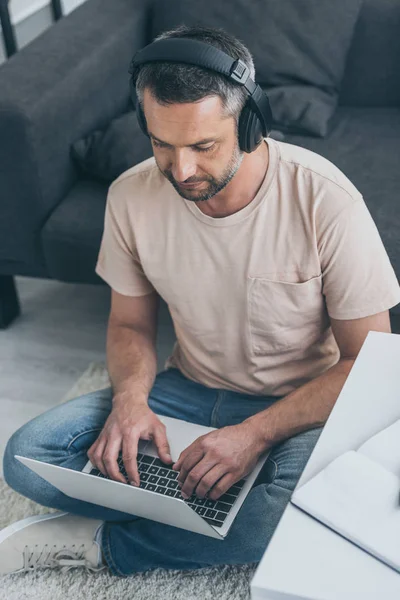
[171, 83]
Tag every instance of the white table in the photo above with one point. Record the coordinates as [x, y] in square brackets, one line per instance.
[305, 560]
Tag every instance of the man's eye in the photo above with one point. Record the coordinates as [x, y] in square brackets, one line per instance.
[198, 148]
[158, 144]
[204, 149]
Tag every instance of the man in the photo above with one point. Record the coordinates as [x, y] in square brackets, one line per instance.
[273, 271]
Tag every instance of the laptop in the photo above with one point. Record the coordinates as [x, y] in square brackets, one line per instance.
[158, 498]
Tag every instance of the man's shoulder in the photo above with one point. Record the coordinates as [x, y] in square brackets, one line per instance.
[319, 169]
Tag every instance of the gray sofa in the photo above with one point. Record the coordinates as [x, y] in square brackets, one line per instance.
[73, 79]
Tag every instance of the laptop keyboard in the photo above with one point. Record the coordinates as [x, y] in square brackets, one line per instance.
[158, 477]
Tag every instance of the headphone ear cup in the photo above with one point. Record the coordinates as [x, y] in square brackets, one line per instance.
[141, 118]
[249, 129]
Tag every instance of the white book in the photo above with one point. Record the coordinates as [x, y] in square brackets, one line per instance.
[358, 496]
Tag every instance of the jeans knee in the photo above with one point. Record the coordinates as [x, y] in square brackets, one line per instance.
[16, 474]
[11, 466]
[292, 455]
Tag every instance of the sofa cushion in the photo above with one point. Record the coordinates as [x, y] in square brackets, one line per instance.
[364, 144]
[71, 236]
[299, 49]
[108, 152]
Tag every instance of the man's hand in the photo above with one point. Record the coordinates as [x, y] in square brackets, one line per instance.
[220, 459]
[126, 424]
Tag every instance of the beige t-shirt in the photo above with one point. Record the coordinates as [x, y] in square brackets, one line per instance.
[250, 294]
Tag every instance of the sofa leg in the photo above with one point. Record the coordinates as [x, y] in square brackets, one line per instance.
[9, 302]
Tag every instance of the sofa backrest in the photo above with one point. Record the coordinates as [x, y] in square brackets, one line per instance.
[372, 74]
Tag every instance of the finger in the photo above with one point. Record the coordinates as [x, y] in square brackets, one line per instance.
[183, 455]
[176, 466]
[210, 479]
[91, 451]
[193, 448]
[160, 440]
[195, 475]
[110, 456]
[129, 456]
[97, 460]
[221, 486]
[191, 459]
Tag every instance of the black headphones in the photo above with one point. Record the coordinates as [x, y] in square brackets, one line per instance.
[256, 117]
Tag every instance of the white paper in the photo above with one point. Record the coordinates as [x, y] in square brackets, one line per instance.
[384, 448]
[359, 499]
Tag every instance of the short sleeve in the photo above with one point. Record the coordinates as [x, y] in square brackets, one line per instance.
[358, 278]
[118, 262]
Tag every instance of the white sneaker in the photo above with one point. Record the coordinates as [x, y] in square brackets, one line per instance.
[50, 541]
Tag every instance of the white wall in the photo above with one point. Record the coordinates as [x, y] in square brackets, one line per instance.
[31, 17]
[22, 9]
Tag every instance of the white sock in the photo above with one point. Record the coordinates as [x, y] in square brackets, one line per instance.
[97, 538]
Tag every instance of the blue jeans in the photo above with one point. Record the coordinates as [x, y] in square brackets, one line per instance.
[63, 435]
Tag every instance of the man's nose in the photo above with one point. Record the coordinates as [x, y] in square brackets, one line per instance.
[183, 166]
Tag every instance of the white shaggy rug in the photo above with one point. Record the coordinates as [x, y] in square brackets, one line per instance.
[216, 583]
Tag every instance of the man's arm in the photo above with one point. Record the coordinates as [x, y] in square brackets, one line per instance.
[131, 339]
[310, 405]
[131, 358]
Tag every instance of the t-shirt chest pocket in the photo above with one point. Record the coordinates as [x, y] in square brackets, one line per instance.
[284, 316]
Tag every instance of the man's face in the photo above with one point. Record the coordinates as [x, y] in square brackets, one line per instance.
[193, 143]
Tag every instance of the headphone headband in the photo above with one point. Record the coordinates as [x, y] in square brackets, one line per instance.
[201, 54]
[195, 53]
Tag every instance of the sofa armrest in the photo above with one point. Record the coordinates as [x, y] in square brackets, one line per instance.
[70, 80]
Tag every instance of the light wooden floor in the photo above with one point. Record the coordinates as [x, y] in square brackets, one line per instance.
[62, 330]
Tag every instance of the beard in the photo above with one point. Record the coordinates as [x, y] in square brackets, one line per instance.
[214, 185]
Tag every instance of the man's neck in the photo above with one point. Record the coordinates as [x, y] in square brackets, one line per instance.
[242, 189]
